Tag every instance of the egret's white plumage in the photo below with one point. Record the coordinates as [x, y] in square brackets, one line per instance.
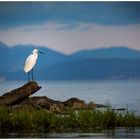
[31, 61]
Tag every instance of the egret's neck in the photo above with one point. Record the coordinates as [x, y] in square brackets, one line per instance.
[35, 54]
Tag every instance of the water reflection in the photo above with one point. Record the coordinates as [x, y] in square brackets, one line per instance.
[119, 132]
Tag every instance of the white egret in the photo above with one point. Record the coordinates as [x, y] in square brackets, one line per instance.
[30, 63]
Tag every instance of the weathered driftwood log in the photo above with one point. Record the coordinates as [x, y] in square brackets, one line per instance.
[18, 95]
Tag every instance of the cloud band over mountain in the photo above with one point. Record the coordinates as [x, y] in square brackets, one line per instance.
[68, 39]
[70, 26]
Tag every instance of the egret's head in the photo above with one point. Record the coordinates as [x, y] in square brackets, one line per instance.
[35, 51]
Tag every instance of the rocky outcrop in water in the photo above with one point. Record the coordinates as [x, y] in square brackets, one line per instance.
[20, 97]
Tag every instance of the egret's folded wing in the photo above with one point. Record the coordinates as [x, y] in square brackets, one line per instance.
[30, 62]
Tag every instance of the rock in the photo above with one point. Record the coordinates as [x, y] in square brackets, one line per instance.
[38, 101]
[44, 102]
[56, 108]
[91, 105]
[74, 103]
[19, 98]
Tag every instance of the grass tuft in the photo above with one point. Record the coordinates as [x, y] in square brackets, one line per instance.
[41, 120]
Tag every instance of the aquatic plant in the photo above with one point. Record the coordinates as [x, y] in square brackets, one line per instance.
[28, 119]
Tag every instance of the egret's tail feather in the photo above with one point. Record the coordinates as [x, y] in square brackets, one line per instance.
[25, 70]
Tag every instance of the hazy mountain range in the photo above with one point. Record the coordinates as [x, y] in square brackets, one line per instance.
[105, 63]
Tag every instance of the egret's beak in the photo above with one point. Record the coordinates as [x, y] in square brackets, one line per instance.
[41, 52]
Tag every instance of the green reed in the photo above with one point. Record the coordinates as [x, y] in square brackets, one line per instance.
[41, 120]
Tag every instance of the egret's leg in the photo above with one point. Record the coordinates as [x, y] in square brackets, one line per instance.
[28, 76]
[32, 74]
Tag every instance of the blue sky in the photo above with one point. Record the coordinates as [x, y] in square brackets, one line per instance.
[70, 26]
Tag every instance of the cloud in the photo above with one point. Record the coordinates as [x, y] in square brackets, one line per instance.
[14, 14]
[72, 38]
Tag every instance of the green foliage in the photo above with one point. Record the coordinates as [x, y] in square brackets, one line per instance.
[41, 120]
[4, 111]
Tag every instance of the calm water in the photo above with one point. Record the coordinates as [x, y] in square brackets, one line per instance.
[119, 93]
[119, 132]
